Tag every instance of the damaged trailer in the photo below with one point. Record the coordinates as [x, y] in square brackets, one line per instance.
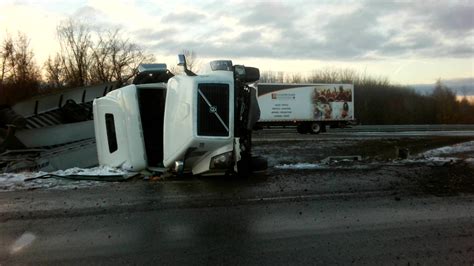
[50, 132]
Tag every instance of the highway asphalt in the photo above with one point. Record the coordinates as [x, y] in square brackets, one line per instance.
[387, 213]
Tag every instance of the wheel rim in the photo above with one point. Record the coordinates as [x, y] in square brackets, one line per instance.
[315, 127]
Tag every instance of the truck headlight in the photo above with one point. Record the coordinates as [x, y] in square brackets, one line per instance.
[222, 161]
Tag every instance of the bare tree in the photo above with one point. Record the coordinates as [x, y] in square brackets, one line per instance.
[75, 41]
[94, 56]
[55, 76]
[272, 77]
[116, 58]
[294, 78]
[7, 51]
[19, 76]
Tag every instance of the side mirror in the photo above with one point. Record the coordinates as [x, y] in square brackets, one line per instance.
[247, 74]
[252, 74]
[181, 60]
[239, 72]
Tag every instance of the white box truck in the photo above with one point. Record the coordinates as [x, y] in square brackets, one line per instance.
[310, 107]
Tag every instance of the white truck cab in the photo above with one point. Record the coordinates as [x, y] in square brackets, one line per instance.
[186, 123]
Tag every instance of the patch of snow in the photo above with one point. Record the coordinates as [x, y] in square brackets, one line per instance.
[12, 180]
[33, 180]
[470, 161]
[442, 159]
[96, 171]
[22, 242]
[458, 148]
[299, 166]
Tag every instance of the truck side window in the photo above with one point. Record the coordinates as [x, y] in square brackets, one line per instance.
[111, 136]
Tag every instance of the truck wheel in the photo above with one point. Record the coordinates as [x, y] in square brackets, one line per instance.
[244, 167]
[258, 164]
[315, 128]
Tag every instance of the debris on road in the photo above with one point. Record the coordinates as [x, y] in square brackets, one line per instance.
[69, 178]
[403, 153]
[345, 158]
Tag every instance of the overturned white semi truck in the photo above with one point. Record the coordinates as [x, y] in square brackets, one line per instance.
[184, 123]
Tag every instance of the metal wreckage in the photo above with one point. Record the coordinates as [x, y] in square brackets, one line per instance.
[188, 123]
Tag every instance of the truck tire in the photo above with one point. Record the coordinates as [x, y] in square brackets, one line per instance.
[244, 167]
[315, 128]
[258, 164]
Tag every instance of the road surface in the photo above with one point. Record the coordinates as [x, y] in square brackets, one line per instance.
[369, 212]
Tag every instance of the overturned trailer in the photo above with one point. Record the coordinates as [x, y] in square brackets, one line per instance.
[50, 132]
[185, 123]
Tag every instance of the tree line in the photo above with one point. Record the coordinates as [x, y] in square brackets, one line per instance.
[378, 102]
[89, 55]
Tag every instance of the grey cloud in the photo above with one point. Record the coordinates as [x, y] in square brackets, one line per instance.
[156, 35]
[188, 18]
[212, 50]
[352, 35]
[454, 18]
[419, 43]
[463, 50]
[273, 14]
[349, 36]
[250, 36]
[86, 12]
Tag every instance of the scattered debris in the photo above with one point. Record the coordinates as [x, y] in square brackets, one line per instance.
[69, 178]
[300, 166]
[403, 153]
[345, 158]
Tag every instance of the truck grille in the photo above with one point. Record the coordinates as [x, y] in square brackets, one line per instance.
[213, 110]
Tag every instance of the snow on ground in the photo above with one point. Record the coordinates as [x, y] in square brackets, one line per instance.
[465, 147]
[34, 180]
[461, 151]
[437, 156]
[96, 171]
[299, 166]
[470, 161]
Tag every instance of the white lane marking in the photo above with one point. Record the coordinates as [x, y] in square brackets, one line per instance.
[22, 242]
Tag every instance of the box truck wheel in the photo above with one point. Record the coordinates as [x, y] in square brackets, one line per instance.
[315, 128]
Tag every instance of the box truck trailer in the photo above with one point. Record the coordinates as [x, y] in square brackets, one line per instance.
[309, 107]
[200, 124]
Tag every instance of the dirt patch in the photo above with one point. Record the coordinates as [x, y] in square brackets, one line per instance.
[386, 149]
[448, 180]
[313, 151]
[414, 177]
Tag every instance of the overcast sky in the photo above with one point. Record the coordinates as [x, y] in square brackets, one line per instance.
[408, 42]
